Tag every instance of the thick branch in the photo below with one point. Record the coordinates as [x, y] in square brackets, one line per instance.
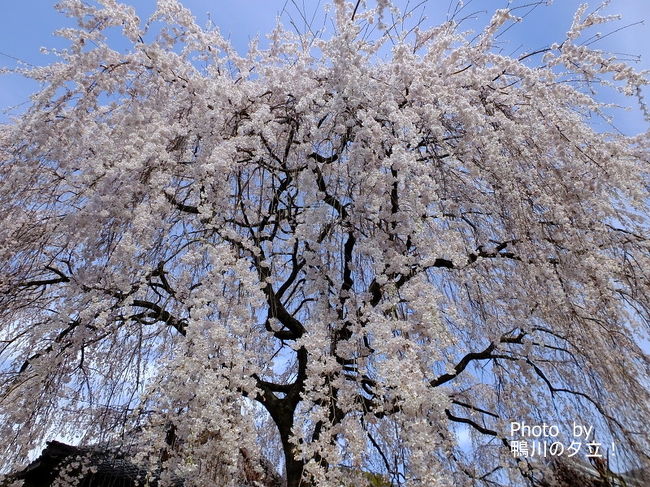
[486, 354]
[161, 315]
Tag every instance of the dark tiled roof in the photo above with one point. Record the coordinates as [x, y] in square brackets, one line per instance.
[104, 467]
[109, 467]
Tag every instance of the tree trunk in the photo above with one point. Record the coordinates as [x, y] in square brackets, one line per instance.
[282, 411]
[293, 466]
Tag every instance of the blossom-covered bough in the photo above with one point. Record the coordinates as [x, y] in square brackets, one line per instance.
[371, 244]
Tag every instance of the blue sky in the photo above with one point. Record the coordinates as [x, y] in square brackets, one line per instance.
[27, 25]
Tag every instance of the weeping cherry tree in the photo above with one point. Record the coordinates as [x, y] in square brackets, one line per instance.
[340, 249]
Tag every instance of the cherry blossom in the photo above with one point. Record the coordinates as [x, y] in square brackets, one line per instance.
[336, 250]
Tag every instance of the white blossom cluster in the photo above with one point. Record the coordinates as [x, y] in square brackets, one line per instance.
[368, 251]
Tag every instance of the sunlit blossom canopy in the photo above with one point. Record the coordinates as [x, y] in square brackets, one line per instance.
[336, 249]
